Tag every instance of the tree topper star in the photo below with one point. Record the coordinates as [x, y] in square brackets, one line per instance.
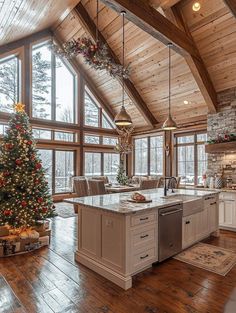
[19, 107]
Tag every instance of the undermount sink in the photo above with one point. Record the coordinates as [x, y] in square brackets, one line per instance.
[191, 204]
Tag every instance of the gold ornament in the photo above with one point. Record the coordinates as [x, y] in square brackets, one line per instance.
[19, 107]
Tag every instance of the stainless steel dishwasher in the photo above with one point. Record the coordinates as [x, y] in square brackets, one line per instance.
[170, 231]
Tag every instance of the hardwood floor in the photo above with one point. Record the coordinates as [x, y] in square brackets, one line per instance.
[48, 280]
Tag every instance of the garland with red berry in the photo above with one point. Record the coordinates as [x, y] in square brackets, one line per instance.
[95, 55]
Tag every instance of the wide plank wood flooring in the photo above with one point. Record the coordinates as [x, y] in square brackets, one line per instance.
[48, 280]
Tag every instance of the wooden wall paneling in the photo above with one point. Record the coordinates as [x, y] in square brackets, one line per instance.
[21, 18]
[197, 66]
[90, 26]
[154, 23]
[24, 41]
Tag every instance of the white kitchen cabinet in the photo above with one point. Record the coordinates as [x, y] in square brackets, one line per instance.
[200, 225]
[189, 230]
[227, 214]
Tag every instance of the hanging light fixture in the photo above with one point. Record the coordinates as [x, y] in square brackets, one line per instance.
[123, 118]
[169, 123]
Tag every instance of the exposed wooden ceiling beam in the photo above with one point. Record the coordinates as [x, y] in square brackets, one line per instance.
[195, 64]
[130, 89]
[231, 4]
[154, 23]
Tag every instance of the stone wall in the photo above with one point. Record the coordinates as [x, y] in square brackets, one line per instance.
[218, 124]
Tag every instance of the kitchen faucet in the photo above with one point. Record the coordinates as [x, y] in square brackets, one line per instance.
[165, 187]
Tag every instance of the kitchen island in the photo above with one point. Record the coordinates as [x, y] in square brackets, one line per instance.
[118, 239]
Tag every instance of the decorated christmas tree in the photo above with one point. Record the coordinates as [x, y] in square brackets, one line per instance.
[24, 192]
[121, 177]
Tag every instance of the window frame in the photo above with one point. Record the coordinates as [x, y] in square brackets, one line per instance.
[54, 150]
[101, 152]
[101, 111]
[40, 43]
[19, 54]
[148, 136]
[195, 144]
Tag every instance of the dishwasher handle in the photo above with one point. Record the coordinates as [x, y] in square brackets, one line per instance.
[171, 212]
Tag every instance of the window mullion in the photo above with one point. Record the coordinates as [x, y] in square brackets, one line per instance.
[53, 86]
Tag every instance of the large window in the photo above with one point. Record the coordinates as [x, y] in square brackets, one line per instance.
[111, 164]
[9, 83]
[191, 159]
[59, 167]
[148, 155]
[101, 163]
[94, 115]
[92, 164]
[53, 86]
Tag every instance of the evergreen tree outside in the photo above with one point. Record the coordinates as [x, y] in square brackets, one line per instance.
[24, 192]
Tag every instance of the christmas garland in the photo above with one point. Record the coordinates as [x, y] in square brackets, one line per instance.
[95, 55]
[225, 138]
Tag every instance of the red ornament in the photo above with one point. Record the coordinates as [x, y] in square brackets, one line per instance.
[18, 162]
[23, 203]
[38, 166]
[7, 212]
[29, 142]
[6, 173]
[8, 146]
[1, 182]
[44, 210]
[40, 200]
[18, 126]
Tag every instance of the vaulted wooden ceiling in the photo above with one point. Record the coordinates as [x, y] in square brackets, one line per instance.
[211, 32]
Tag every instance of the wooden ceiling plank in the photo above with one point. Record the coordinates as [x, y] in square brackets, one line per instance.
[163, 3]
[196, 65]
[154, 23]
[231, 4]
[130, 89]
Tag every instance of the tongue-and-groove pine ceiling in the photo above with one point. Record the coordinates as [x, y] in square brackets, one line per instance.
[213, 30]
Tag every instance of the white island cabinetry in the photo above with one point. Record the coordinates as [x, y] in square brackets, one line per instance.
[117, 245]
[118, 239]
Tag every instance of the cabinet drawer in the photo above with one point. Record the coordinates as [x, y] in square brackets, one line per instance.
[143, 219]
[143, 259]
[208, 200]
[228, 196]
[143, 237]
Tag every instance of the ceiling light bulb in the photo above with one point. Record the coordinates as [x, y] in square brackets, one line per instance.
[196, 6]
[185, 101]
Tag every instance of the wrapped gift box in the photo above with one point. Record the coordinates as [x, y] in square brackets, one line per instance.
[29, 244]
[42, 226]
[4, 231]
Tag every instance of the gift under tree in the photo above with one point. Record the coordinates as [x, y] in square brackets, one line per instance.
[24, 192]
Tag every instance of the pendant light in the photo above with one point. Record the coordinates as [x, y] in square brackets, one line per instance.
[123, 118]
[169, 123]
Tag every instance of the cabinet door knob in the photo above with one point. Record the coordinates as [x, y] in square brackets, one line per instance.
[187, 222]
[213, 203]
[144, 257]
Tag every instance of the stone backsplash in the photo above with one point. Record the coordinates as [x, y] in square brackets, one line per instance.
[218, 124]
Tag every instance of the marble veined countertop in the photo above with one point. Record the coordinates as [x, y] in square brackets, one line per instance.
[118, 202]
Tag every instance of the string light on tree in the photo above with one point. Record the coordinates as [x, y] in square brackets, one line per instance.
[24, 193]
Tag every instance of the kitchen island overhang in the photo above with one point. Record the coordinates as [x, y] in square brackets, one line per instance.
[118, 239]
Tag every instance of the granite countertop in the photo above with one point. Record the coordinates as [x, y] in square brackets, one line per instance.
[209, 189]
[118, 202]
